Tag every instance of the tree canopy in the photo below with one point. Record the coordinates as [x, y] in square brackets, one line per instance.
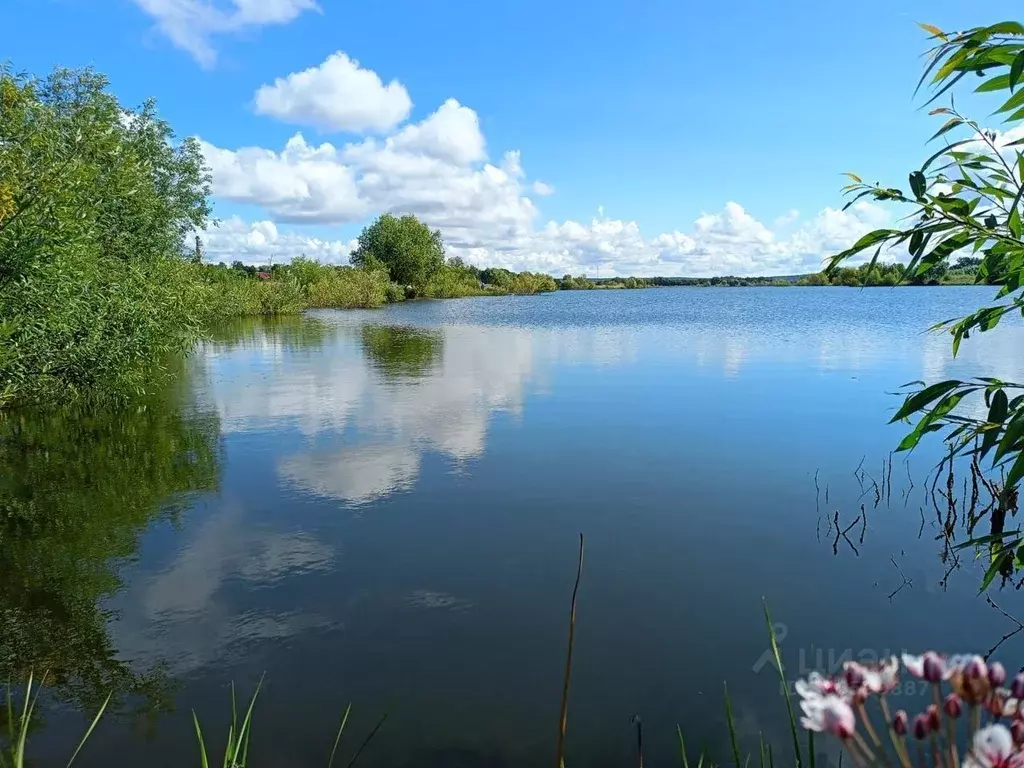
[410, 251]
[96, 203]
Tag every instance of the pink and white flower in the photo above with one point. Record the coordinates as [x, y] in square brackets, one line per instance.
[994, 748]
[875, 678]
[829, 713]
[817, 685]
[928, 666]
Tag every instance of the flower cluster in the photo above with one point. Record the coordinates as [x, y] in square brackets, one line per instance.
[839, 706]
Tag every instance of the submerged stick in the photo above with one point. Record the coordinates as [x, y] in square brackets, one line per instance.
[639, 740]
[568, 662]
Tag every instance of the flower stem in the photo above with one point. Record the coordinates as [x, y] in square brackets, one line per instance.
[954, 758]
[852, 749]
[937, 751]
[868, 754]
[897, 741]
[869, 728]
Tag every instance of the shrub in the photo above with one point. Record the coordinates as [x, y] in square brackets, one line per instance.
[95, 205]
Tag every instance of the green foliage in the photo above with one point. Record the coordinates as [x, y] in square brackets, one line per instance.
[622, 282]
[526, 283]
[223, 293]
[454, 280]
[580, 283]
[406, 247]
[95, 206]
[726, 281]
[965, 203]
[402, 351]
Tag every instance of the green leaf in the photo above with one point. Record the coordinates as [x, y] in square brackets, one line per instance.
[682, 749]
[1016, 70]
[988, 539]
[912, 439]
[919, 400]
[1012, 103]
[1014, 222]
[997, 83]
[341, 730]
[92, 726]
[732, 730]
[948, 126]
[797, 757]
[917, 184]
[1005, 28]
[873, 238]
[993, 569]
[204, 762]
[1016, 472]
[1011, 436]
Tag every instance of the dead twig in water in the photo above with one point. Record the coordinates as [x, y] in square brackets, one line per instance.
[888, 500]
[842, 534]
[1008, 635]
[568, 662]
[635, 720]
[817, 494]
[906, 582]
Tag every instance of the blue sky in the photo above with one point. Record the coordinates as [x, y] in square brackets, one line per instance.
[678, 138]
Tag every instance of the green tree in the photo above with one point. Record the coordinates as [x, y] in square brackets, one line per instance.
[965, 200]
[814, 279]
[409, 250]
[96, 205]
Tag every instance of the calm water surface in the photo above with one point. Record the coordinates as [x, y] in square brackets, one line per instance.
[382, 508]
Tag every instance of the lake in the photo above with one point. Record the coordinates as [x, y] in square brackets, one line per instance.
[383, 508]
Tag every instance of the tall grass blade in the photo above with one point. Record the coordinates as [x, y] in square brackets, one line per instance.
[732, 729]
[231, 749]
[202, 747]
[560, 749]
[760, 751]
[10, 712]
[810, 748]
[368, 739]
[247, 723]
[92, 726]
[682, 748]
[785, 688]
[26, 713]
[771, 758]
[337, 738]
[700, 759]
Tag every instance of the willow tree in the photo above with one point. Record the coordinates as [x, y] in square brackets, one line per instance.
[97, 204]
[965, 201]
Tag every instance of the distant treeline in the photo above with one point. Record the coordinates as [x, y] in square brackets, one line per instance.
[963, 271]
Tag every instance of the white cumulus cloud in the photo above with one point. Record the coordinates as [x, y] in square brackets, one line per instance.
[190, 24]
[337, 95]
[262, 242]
[439, 169]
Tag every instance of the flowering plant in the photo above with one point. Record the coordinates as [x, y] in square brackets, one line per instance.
[993, 716]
